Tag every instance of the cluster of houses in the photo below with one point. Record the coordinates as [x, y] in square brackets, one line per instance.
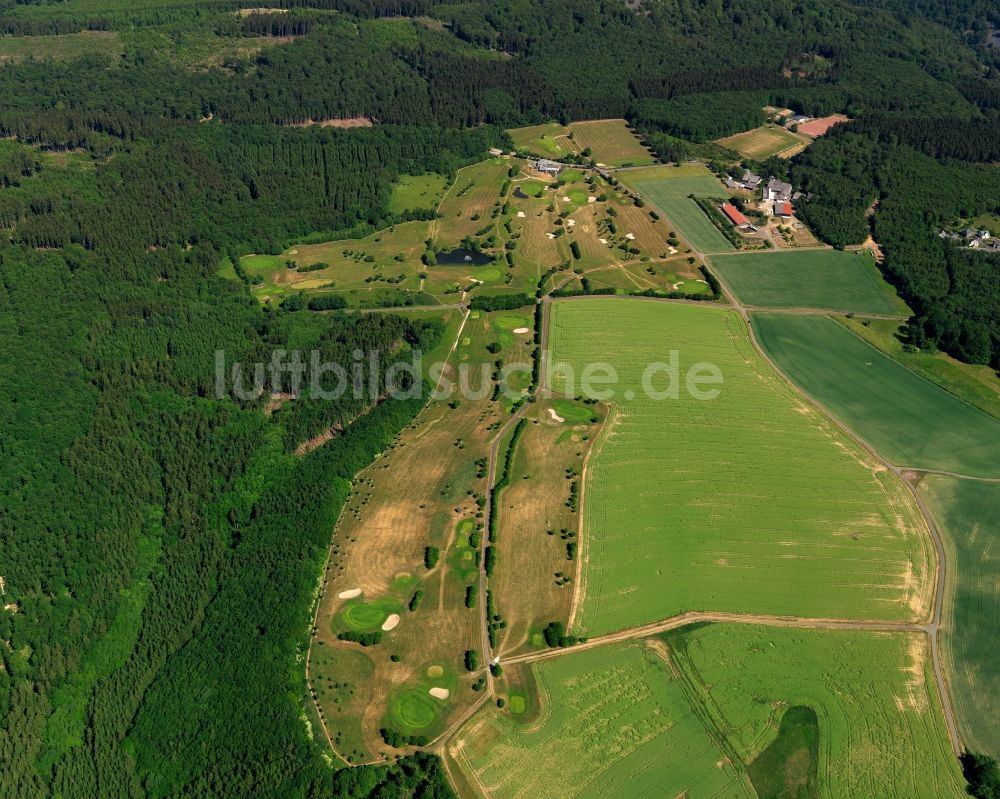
[973, 239]
[777, 193]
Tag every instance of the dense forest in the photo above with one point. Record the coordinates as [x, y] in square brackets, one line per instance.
[159, 546]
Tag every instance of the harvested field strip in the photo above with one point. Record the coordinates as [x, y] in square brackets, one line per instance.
[908, 419]
[881, 729]
[751, 502]
[615, 724]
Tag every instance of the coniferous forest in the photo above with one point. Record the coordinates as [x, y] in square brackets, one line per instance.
[162, 545]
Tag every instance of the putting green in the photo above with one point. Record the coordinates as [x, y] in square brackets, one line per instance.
[532, 188]
[570, 175]
[487, 274]
[367, 616]
[414, 710]
[512, 321]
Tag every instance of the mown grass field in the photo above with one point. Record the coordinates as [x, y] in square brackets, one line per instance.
[668, 188]
[546, 140]
[881, 729]
[610, 142]
[762, 143]
[615, 725]
[968, 514]
[822, 279]
[414, 192]
[752, 502]
[908, 419]
[468, 205]
[977, 385]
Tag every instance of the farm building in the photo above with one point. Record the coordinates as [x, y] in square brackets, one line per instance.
[547, 167]
[783, 209]
[777, 190]
[750, 180]
[737, 218]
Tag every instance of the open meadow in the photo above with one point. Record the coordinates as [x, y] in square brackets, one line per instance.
[414, 192]
[749, 502]
[822, 279]
[881, 731]
[615, 724]
[904, 416]
[668, 187]
[548, 140]
[610, 142]
[968, 515]
[764, 142]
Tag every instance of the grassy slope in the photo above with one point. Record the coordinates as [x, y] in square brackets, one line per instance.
[881, 729]
[752, 502]
[824, 279]
[610, 142]
[969, 513]
[906, 418]
[616, 724]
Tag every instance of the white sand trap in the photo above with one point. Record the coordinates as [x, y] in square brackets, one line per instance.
[672, 250]
[570, 222]
[522, 329]
[603, 241]
[349, 594]
[551, 235]
[555, 416]
[391, 622]
[521, 214]
[630, 236]
[591, 199]
[565, 199]
[439, 693]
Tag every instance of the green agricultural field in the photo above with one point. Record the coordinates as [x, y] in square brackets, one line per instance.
[822, 279]
[751, 502]
[668, 188]
[414, 192]
[610, 142]
[976, 384]
[762, 143]
[615, 725]
[548, 140]
[968, 514]
[908, 419]
[880, 724]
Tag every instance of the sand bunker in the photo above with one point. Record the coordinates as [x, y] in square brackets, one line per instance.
[551, 235]
[591, 199]
[349, 594]
[630, 236]
[566, 199]
[439, 693]
[391, 622]
[522, 329]
[603, 241]
[555, 416]
[521, 214]
[570, 222]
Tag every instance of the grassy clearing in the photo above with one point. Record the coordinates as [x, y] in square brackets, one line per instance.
[548, 140]
[668, 188]
[762, 143]
[906, 418]
[977, 385]
[822, 279]
[752, 502]
[610, 142]
[881, 729]
[470, 202]
[615, 724]
[968, 513]
[14, 49]
[414, 192]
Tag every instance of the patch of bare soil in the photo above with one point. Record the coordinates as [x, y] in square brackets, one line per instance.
[352, 122]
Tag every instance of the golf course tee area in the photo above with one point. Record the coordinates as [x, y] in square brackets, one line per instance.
[748, 500]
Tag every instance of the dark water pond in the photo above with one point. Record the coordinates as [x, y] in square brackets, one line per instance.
[462, 256]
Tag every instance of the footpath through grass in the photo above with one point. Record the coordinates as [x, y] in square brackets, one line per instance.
[880, 724]
[751, 502]
[968, 514]
[822, 279]
[908, 419]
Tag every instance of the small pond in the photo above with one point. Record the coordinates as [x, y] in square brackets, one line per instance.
[461, 257]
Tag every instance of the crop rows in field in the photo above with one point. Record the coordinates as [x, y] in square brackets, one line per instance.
[908, 419]
[615, 724]
[881, 729]
[752, 502]
[823, 279]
